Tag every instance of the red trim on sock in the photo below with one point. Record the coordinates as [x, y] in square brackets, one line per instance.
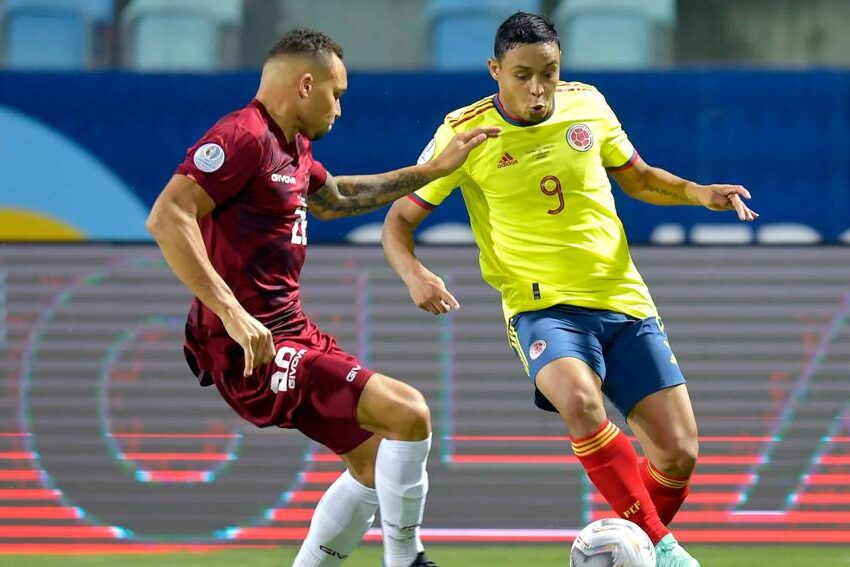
[614, 470]
[592, 435]
[667, 499]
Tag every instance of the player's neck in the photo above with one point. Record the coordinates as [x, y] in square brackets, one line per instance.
[282, 115]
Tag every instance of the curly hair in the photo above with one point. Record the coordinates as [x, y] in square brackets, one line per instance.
[305, 41]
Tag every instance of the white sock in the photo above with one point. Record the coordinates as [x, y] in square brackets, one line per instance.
[343, 515]
[402, 483]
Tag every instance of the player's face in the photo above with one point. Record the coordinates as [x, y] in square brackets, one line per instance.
[322, 107]
[527, 75]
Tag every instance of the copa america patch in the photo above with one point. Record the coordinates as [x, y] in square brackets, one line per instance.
[209, 157]
[579, 137]
[537, 349]
[427, 153]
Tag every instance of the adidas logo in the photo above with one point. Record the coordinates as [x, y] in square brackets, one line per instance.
[506, 160]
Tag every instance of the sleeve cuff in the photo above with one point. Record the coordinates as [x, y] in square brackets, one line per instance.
[421, 202]
[628, 165]
[182, 169]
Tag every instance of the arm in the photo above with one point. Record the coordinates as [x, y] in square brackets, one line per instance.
[173, 222]
[659, 187]
[426, 289]
[357, 194]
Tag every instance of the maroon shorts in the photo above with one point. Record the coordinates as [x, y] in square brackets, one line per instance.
[312, 388]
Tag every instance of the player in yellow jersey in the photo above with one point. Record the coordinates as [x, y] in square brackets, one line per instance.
[578, 313]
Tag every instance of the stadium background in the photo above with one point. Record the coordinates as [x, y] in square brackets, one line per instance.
[106, 441]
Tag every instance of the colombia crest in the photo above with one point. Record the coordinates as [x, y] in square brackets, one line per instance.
[579, 137]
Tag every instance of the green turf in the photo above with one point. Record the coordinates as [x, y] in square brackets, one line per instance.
[460, 556]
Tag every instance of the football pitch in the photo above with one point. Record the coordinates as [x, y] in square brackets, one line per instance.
[452, 556]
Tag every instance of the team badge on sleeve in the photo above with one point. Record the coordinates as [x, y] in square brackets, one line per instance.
[427, 153]
[537, 349]
[579, 137]
[209, 157]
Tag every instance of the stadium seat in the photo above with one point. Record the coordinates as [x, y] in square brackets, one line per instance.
[366, 234]
[179, 35]
[624, 34]
[52, 34]
[462, 31]
[668, 233]
[721, 234]
[447, 233]
[787, 233]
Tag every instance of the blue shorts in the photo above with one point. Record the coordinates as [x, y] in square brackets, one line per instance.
[632, 356]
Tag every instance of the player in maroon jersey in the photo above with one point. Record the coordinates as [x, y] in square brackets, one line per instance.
[232, 224]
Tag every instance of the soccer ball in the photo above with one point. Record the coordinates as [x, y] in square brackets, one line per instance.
[612, 542]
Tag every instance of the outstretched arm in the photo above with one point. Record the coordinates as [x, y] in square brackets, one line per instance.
[351, 195]
[659, 187]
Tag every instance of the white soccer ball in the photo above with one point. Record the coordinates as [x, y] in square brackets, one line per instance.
[612, 542]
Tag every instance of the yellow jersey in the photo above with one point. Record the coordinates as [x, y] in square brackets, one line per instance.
[541, 207]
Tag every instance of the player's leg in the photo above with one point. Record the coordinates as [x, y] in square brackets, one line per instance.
[602, 448]
[346, 510]
[317, 392]
[644, 382]
[342, 406]
[665, 426]
[398, 413]
[561, 351]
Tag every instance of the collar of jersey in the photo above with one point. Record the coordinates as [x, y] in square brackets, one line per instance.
[271, 123]
[503, 112]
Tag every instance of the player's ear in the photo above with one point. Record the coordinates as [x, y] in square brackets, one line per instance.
[305, 85]
[493, 67]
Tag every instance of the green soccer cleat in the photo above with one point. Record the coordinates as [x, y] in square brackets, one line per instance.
[668, 553]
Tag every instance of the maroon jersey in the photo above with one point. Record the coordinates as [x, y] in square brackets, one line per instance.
[256, 237]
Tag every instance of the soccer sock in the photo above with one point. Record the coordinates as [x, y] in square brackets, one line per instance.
[667, 492]
[402, 483]
[612, 464]
[343, 515]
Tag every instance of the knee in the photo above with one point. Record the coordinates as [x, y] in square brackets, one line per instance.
[363, 472]
[582, 409]
[679, 458]
[412, 419]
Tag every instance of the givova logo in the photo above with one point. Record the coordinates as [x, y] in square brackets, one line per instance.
[287, 360]
[278, 178]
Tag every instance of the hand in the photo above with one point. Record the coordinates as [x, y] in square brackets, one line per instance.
[254, 338]
[726, 198]
[456, 152]
[429, 293]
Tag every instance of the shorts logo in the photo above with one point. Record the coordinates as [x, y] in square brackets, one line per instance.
[352, 374]
[209, 157]
[287, 359]
[579, 137]
[673, 359]
[537, 349]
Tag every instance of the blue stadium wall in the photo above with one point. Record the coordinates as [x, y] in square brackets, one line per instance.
[91, 151]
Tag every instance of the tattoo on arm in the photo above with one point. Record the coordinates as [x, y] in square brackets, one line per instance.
[354, 195]
[667, 193]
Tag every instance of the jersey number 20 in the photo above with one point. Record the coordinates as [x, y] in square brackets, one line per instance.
[299, 227]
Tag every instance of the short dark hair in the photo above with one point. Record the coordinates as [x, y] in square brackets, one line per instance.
[305, 41]
[524, 28]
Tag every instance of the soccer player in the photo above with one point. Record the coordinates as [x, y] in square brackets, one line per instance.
[578, 313]
[232, 224]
